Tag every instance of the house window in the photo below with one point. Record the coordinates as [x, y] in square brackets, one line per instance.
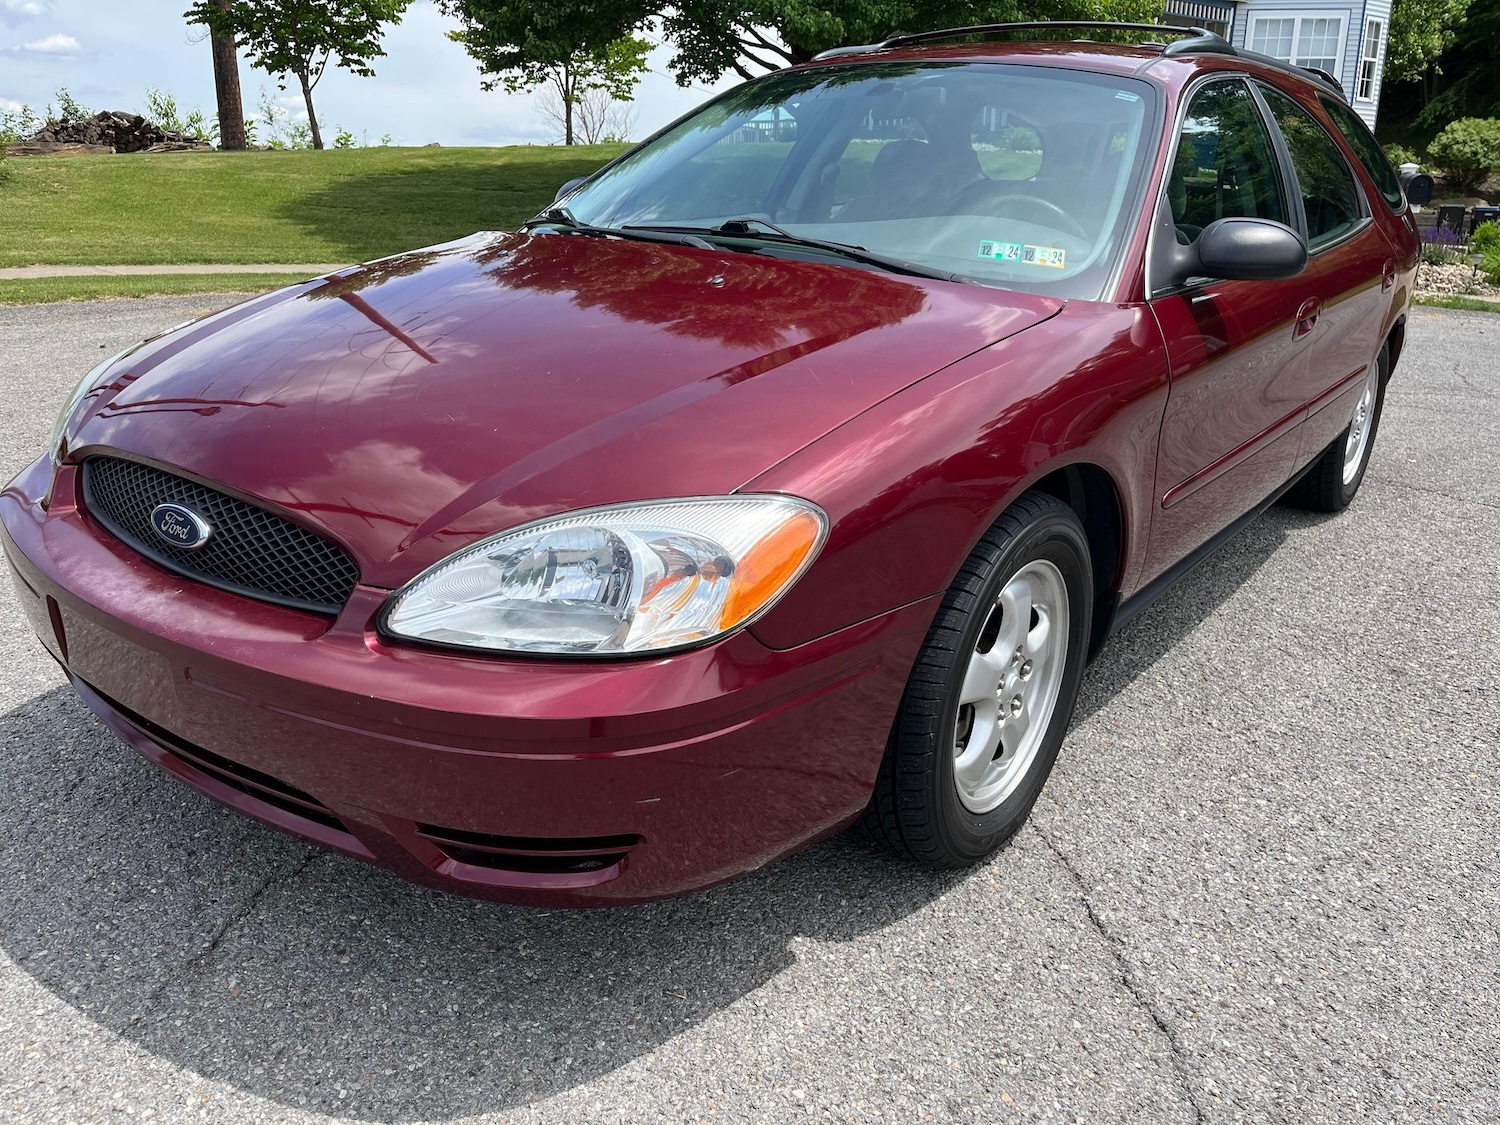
[1302, 40]
[1369, 62]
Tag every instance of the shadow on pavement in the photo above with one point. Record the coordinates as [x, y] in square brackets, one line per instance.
[320, 983]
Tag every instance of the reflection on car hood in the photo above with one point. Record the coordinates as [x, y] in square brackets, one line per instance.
[414, 404]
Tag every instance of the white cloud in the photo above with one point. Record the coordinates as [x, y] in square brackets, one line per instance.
[8, 106]
[53, 45]
[14, 12]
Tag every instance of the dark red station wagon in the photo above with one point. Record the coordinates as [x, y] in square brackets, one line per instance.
[785, 474]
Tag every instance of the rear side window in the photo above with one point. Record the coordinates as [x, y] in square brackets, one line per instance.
[1330, 197]
[1368, 150]
[1225, 165]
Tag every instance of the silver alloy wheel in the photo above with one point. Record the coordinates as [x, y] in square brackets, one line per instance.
[1359, 427]
[1010, 687]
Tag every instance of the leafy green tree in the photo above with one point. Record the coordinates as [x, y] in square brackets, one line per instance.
[611, 70]
[301, 37]
[1421, 30]
[712, 37]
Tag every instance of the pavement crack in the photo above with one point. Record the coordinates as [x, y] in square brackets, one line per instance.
[1405, 487]
[1129, 977]
[221, 932]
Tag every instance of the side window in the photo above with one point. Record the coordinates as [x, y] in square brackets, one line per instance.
[1368, 150]
[1330, 196]
[1225, 165]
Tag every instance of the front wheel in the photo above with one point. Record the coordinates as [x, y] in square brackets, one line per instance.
[988, 703]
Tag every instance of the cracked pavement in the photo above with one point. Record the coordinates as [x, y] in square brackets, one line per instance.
[1261, 884]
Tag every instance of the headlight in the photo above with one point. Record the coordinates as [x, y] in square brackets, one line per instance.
[88, 383]
[608, 581]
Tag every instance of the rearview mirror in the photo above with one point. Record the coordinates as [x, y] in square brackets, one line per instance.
[1239, 249]
[568, 187]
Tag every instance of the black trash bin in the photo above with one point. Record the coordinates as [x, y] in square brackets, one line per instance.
[1481, 215]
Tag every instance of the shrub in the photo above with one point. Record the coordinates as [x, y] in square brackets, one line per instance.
[1466, 152]
[1489, 265]
[19, 125]
[1486, 238]
[1441, 247]
[69, 108]
[161, 110]
[1400, 154]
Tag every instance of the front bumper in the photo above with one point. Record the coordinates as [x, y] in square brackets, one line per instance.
[541, 782]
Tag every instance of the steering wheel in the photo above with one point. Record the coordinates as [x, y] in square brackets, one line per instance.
[1070, 225]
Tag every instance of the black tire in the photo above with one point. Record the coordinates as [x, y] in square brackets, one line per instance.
[1323, 488]
[916, 809]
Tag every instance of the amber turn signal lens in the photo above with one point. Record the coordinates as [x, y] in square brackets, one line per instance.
[769, 567]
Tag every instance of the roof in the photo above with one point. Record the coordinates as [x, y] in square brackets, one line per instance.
[1188, 45]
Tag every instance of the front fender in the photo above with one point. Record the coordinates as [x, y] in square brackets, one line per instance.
[911, 484]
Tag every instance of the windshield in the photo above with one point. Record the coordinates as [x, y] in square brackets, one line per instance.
[1018, 176]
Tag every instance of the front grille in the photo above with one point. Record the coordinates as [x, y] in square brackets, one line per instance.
[542, 855]
[251, 551]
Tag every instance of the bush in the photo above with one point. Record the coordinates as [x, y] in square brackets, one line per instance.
[19, 125]
[1400, 154]
[1486, 238]
[161, 110]
[1441, 247]
[1466, 152]
[1489, 265]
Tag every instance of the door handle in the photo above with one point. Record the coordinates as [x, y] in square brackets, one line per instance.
[1388, 276]
[1307, 316]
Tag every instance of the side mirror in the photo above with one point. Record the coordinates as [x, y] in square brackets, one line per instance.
[568, 187]
[1417, 185]
[1239, 249]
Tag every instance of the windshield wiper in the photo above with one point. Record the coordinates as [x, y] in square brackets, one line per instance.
[769, 232]
[562, 217]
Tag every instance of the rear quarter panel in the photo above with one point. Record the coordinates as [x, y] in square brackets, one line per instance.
[911, 484]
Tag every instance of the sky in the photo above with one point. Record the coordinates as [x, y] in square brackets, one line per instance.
[108, 52]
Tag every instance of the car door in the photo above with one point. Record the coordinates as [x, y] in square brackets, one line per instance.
[1349, 271]
[1235, 347]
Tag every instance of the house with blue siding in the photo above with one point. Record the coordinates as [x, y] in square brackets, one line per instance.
[1347, 38]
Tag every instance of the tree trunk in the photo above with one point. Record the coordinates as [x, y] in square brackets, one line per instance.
[312, 116]
[227, 86]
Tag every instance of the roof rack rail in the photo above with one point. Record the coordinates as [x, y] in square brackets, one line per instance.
[909, 40]
[1206, 40]
[1191, 41]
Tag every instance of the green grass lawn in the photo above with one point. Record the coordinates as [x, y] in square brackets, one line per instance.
[49, 290]
[336, 206]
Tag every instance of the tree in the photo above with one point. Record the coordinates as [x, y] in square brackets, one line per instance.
[227, 87]
[1421, 30]
[301, 37]
[602, 118]
[713, 37]
[609, 73]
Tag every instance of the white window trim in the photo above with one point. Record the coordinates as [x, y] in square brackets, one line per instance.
[1378, 58]
[1300, 14]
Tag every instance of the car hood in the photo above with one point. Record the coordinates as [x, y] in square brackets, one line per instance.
[412, 405]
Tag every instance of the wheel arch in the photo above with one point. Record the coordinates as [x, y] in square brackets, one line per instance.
[1395, 342]
[1091, 492]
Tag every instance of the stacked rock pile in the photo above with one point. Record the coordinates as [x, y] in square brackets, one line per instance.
[121, 132]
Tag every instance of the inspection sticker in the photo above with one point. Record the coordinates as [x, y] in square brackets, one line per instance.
[1053, 257]
[1001, 251]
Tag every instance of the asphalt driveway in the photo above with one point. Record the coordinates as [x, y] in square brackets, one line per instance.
[1262, 882]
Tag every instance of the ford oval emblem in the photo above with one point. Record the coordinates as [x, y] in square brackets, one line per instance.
[179, 526]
